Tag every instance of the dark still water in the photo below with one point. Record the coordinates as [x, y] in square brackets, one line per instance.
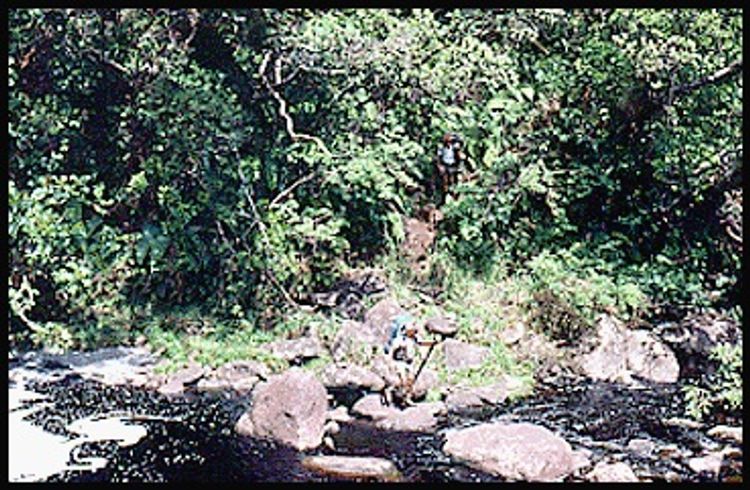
[191, 439]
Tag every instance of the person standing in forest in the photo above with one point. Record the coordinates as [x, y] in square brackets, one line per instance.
[450, 157]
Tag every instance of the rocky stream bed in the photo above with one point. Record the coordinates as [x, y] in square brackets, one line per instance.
[119, 432]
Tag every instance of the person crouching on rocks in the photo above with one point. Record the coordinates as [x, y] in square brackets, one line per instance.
[401, 350]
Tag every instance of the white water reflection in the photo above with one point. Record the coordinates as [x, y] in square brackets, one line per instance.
[35, 454]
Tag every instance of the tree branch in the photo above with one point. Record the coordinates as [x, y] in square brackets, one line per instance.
[264, 235]
[283, 104]
[716, 77]
[289, 189]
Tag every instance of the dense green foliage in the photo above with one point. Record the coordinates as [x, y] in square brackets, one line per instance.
[720, 390]
[236, 160]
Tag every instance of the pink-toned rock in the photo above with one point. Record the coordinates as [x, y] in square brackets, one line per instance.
[371, 406]
[353, 467]
[353, 341]
[421, 417]
[427, 380]
[175, 383]
[378, 319]
[290, 407]
[189, 374]
[384, 367]
[236, 369]
[513, 333]
[519, 451]
[711, 463]
[611, 472]
[476, 396]
[726, 432]
[295, 350]
[353, 377]
[608, 359]
[171, 388]
[339, 414]
[619, 353]
[649, 358]
[494, 393]
[642, 447]
[463, 398]
[581, 459]
[241, 376]
[460, 355]
[441, 325]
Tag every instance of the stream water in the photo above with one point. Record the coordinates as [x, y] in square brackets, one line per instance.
[192, 439]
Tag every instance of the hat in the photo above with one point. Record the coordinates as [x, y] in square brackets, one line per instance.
[403, 320]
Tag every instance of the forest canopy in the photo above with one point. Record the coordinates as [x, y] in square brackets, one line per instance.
[237, 161]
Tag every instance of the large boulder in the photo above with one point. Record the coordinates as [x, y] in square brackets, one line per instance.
[290, 407]
[649, 358]
[608, 359]
[619, 353]
[460, 355]
[519, 451]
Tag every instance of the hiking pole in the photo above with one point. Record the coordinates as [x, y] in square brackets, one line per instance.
[424, 361]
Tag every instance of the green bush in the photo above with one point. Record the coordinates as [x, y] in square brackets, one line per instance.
[568, 291]
[721, 390]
